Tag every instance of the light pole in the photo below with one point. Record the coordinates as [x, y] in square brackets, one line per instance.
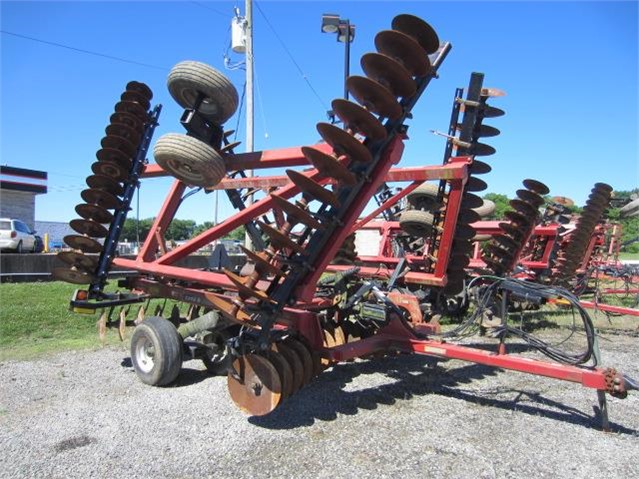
[332, 23]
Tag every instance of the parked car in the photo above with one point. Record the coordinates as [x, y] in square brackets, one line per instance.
[38, 247]
[16, 236]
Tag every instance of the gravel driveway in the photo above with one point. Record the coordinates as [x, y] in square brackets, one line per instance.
[85, 414]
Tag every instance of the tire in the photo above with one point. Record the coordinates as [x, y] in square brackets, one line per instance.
[486, 209]
[189, 79]
[630, 210]
[217, 364]
[160, 365]
[416, 223]
[189, 160]
[19, 249]
[424, 197]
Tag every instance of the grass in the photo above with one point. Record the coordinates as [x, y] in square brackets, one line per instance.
[35, 320]
[629, 256]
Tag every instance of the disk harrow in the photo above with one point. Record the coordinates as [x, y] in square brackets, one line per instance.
[289, 313]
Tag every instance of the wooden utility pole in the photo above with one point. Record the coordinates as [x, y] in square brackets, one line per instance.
[248, 6]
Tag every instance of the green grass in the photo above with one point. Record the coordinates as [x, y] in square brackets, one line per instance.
[629, 256]
[35, 320]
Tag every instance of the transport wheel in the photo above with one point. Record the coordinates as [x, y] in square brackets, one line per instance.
[487, 208]
[424, 197]
[189, 160]
[188, 80]
[156, 351]
[416, 223]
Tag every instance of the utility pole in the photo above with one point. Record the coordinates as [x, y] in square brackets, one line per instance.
[248, 6]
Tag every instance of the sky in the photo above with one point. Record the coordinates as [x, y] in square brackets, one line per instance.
[569, 69]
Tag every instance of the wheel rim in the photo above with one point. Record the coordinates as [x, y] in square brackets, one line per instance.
[144, 355]
[208, 105]
[184, 170]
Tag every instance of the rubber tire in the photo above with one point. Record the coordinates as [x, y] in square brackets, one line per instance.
[188, 79]
[19, 249]
[488, 208]
[189, 160]
[424, 197]
[167, 344]
[416, 223]
[630, 210]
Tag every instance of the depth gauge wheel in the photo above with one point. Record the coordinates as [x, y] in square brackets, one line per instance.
[424, 197]
[189, 160]
[188, 80]
[416, 223]
[156, 351]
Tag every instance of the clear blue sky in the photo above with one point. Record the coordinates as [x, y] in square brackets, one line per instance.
[570, 70]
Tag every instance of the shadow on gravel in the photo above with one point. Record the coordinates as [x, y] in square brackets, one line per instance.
[326, 398]
[187, 376]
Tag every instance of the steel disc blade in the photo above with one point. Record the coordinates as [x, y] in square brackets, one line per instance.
[418, 29]
[492, 112]
[72, 276]
[494, 264]
[470, 200]
[258, 390]
[458, 261]
[279, 240]
[128, 120]
[119, 143]
[492, 92]
[132, 96]
[343, 143]
[304, 356]
[517, 218]
[374, 97]
[464, 232]
[312, 188]
[284, 370]
[468, 216]
[475, 184]
[507, 242]
[93, 212]
[405, 50]
[140, 88]
[497, 251]
[105, 183]
[603, 187]
[512, 231]
[487, 131]
[115, 156]
[78, 261]
[100, 198]
[83, 243]
[536, 186]
[294, 362]
[295, 213]
[482, 149]
[530, 197]
[524, 208]
[389, 73]
[124, 131]
[563, 201]
[110, 169]
[329, 166]
[89, 228]
[358, 119]
[479, 167]
[132, 108]
[462, 246]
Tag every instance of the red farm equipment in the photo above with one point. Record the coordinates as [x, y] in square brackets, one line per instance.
[290, 313]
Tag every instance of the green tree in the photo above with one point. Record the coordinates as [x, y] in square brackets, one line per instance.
[180, 230]
[501, 205]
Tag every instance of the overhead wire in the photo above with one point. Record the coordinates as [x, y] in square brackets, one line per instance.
[82, 50]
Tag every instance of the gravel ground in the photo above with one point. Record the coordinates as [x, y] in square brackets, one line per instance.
[85, 414]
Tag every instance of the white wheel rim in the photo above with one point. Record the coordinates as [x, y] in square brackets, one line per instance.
[144, 354]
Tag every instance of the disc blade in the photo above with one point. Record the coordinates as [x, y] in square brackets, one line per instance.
[358, 119]
[343, 143]
[418, 29]
[105, 183]
[83, 243]
[93, 212]
[312, 188]
[536, 186]
[258, 390]
[389, 73]
[89, 228]
[78, 261]
[374, 97]
[297, 214]
[111, 170]
[101, 198]
[329, 166]
[279, 240]
[405, 50]
[72, 276]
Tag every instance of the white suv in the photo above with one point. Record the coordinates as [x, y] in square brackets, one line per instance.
[16, 236]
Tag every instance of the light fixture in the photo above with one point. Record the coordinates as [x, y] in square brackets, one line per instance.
[341, 37]
[330, 23]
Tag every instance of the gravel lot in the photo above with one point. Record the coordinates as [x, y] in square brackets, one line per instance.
[85, 414]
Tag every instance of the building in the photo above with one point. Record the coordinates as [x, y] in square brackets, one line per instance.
[18, 189]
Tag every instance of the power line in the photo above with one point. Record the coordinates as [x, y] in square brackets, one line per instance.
[291, 57]
[80, 50]
[199, 4]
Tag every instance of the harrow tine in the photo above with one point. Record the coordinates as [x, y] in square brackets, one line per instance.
[122, 325]
[140, 316]
[102, 321]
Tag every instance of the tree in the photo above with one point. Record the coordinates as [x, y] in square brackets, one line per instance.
[180, 230]
[501, 206]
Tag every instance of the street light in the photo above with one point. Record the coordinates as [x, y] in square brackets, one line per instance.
[332, 23]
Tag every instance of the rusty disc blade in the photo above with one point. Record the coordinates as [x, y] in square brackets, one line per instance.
[279, 240]
[132, 108]
[261, 263]
[114, 156]
[128, 120]
[110, 169]
[603, 187]
[132, 96]
[343, 143]
[464, 232]
[329, 166]
[418, 29]
[455, 282]
[470, 200]
[486, 131]
[482, 149]
[479, 167]
[374, 97]
[389, 73]
[71, 275]
[511, 230]
[458, 261]
[492, 92]
[507, 242]
[536, 186]
[405, 50]
[312, 188]
[496, 265]
[106, 183]
[78, 261]
[284, 370]
[119, 143]
[492, 112]
[244, 290]
[93, 212]
[294, 362]
[230, 147]
[475, 184]
[468, 216]
[140, 88]
[305, 357]
[563, 201]
[359, 119]
[89, 228]
[124, 131]
[258, 390]
[530, 197]
[101, 198]
[295, 213]
[83, 243]
[461, 246]
[517, 218]
[495, 250]
[524, 208]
